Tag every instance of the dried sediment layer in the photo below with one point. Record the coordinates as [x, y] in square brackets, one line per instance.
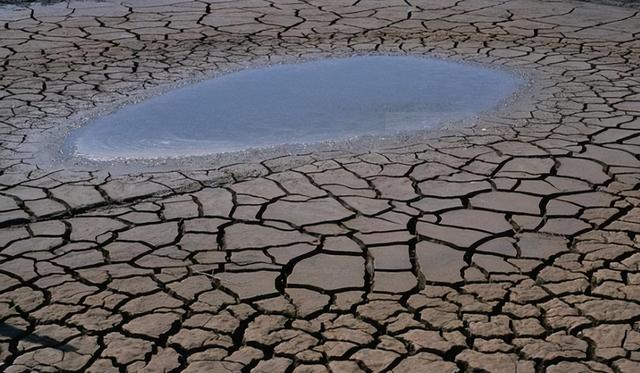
[513, 248]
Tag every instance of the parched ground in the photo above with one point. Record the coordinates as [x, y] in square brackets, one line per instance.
[512, 246]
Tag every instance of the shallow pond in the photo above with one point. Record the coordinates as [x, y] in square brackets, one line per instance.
[324, 100]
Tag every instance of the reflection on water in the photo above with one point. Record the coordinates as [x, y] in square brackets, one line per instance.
[331, 99]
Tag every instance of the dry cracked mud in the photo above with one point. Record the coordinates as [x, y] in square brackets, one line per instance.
[510, 246]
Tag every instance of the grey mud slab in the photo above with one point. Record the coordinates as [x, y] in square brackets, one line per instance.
[510, 245]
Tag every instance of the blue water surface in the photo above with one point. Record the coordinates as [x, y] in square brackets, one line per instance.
[331, 99]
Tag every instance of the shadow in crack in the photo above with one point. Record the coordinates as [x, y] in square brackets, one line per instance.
[13, 332]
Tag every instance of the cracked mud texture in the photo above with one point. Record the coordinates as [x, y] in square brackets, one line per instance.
[510, 246]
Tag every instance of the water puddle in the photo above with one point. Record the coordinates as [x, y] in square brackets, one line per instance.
[325, 100]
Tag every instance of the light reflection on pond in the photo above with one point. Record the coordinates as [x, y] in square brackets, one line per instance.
[331, 99]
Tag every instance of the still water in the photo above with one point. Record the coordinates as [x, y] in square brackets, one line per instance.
[325, 100]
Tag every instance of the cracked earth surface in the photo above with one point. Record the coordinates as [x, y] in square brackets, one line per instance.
[511, 246]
